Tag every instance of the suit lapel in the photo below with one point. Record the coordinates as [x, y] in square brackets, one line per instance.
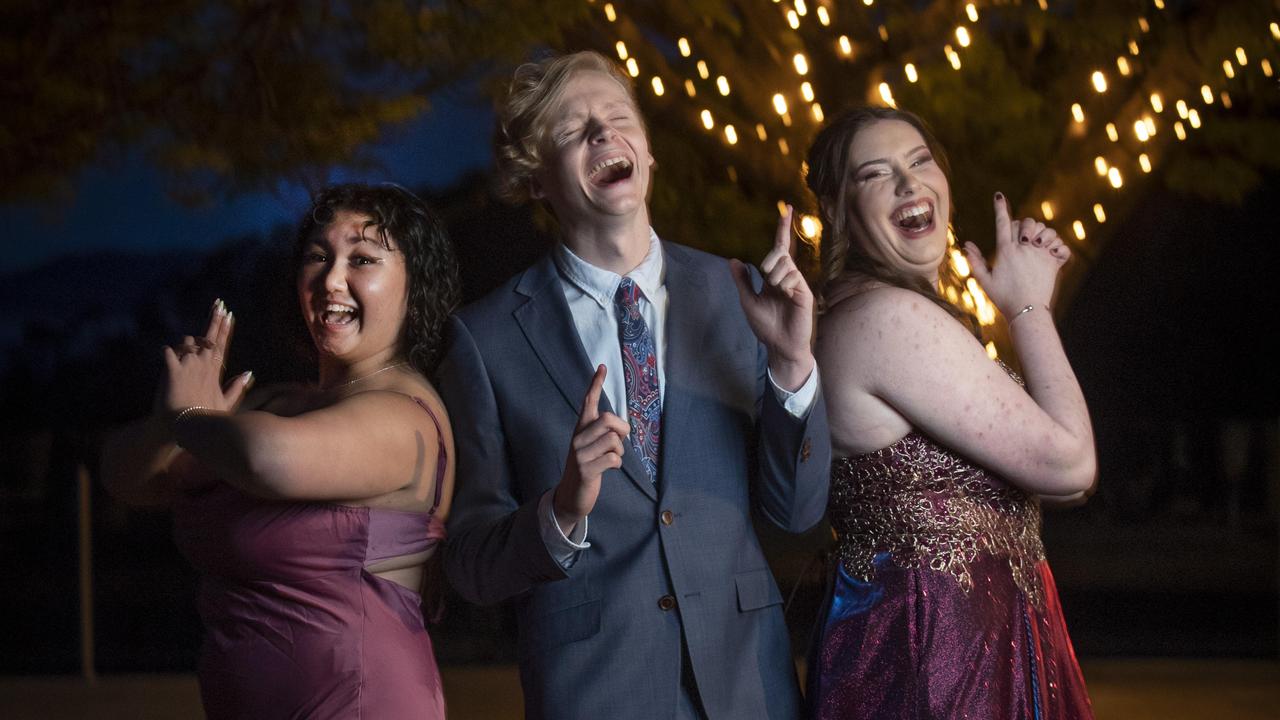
[548, 327]
[689, 306]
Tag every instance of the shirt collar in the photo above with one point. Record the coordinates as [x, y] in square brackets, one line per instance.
[600, 284]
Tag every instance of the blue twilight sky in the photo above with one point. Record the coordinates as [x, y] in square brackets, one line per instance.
[122, 205]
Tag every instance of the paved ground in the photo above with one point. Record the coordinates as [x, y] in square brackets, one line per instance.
[1124, 689]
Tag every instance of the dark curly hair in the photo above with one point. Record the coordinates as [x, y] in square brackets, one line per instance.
[405, 224]
[828, 177]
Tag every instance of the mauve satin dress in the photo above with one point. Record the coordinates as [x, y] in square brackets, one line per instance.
[941, 603]
[295, 626]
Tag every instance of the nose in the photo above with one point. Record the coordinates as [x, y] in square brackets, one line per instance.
[334, 277]
[601, 131]
[908, 184]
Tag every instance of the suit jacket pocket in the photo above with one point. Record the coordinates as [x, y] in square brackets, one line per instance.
[570, 624]
[756, 589]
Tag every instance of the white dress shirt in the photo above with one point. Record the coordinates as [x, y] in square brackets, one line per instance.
[590, 291]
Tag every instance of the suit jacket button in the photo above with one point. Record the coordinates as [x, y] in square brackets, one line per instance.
[666, 602]
[806, 448]
[667, 517]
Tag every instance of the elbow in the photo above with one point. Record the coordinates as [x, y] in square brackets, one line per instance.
[1072, 471]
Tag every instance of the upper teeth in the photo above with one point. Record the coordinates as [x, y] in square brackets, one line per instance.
[911, 211]
[609, 163]
[334, 307]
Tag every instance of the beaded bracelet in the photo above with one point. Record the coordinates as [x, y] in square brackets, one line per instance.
[187, 411]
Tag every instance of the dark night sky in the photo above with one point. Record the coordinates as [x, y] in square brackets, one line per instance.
[122, 204]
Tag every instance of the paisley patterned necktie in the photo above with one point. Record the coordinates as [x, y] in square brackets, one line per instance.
[640, 372]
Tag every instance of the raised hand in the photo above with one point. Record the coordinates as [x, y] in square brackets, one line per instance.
[1025, 269]
[781, 315]
[193, 370]
[597, 446]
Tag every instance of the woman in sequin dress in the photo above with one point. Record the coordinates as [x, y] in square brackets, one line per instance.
[942, 604]
[312, 511]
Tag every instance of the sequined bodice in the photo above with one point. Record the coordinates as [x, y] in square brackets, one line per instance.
[930, 508]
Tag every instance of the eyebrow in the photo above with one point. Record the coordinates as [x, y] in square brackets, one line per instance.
[886, 160]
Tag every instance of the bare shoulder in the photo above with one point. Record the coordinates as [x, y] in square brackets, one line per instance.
[885, 316]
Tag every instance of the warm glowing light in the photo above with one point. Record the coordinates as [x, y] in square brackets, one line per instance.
[809, 226]
[1157, 104]
[911, 72]
[609, 12]
[779, 104]
[633, 67]
[1266, 67]
[801, 8]
[683, 43]
[657, 86]
[793, 19]
[1182, 109]
[783, 147]
[1099, 81]
[786, 119]
[991, 345]
[622, 49]
[962, 36]
[1078, 228]
[722, 84]
[689, 88]
[1099, 213]
[1100, 164]
[1193, 117]
[1180, 131]
[731, 134]
[1241, 57]
[867, 2]
[1207, 94]
[959, 262]
[703, 71]
[884, 32]
[1077, 112]
[1228, 69]
[1133, 47]
[1159, 4]
[1275, 30]
[846, 48]
[1122, 64]
[972, 11]
[1044, 4]
[707, 121]
[806, 91]
[760, 132]
[886, 94]
[1112, 132]
[952, 56]
[1150, 123]
[818, 115]
[801, 63]
[1046, 209]
[1144, 162]
[967, 298]
[1113, 176]
[1140, 130]
[823, 16]
[1142, 23]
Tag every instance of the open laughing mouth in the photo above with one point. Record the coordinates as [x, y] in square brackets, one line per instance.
[914, 218]
[610, 170]
[338, 314]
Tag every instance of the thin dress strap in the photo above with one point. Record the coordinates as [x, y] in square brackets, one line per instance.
[442, 457]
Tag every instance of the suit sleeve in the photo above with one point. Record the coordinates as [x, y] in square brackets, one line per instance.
[794, 455]
[495, 548]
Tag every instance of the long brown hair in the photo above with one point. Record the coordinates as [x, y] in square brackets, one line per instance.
[841, 258]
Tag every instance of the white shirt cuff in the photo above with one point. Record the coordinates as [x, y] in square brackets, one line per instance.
[798, 403]
[564, 550]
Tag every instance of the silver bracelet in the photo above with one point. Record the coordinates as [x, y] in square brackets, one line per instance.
[187, 411]
[1026, 309]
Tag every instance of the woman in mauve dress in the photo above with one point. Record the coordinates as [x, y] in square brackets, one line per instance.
[313, 512]
[941, 602]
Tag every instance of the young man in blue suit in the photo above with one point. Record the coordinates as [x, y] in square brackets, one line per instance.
[614, 507]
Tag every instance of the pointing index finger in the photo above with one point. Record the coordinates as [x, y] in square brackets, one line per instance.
[591, 403]
[1004, 230]
[782, 241]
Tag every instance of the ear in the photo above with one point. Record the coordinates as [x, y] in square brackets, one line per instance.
[653, 163]
[535, 189]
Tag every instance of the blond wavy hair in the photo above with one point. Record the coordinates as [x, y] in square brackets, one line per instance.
[523, 122]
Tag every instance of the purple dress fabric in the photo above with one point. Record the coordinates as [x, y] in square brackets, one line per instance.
[295, 626]
[941, 604]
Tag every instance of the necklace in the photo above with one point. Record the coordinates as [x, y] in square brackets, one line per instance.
[379, 371]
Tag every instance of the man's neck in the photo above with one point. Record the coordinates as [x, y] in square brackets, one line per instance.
[616, 247]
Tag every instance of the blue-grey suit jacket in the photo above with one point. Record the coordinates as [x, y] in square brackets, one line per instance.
[603, 638]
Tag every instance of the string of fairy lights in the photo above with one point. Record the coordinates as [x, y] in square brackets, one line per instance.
[1136, 157]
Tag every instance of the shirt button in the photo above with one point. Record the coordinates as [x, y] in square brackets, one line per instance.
[667, 517]
[666, 603]
[806, 448]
